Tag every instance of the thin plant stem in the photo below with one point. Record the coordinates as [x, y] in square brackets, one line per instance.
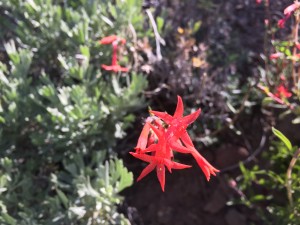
[295, 41]
[289, 177]
[266, 40]
[158, 38]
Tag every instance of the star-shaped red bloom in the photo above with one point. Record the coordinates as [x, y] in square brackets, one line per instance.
[160, 159]
[161, 140]
[177, 130]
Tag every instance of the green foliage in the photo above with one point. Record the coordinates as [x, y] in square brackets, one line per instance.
[73, 115]
[77, 193]
[274, 181]
[51, 28]
[60, 116]
[283, 138]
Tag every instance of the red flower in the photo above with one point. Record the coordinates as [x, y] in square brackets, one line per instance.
[270, 94]
[282, 92]
[275, 55]
[159, 163]
[114, 68]
[110, 39]
[161, 140]
[113, 40]
[291, 8]
[288, 12]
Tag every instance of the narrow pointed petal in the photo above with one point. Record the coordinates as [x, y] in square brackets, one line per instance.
[180, 166]
[179, 108]
[143, 139]
[168, 164]
[144, 157]
[160, 171]
[186, 139]
[187, 120]
[151, 148]
[158, 132]
[163, 115]
[123, 69]
[146, 171]
[206, 167]
[179, 148]
[108, 40]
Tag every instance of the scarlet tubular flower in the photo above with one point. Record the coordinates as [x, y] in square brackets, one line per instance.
[288, 12]
[280, 96]
[275, 55]
[282, 92]
[114, 68]
[281, 22]
[110, 39]
[291, 8]
[271, 95]
[169, 138]
[114, 41]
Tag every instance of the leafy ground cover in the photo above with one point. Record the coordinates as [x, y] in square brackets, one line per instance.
[78, 78]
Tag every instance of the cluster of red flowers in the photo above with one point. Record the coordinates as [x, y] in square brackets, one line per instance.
[161, 135]
[114, 41]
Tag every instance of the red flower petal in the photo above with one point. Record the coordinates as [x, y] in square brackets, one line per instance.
[144, 157]
[186, 139]
[291, 8]
[146, 171]
[108, 40]
[275, 55]
[179, 166]
[179, 148]
[160, 172]
[143, 139]
[162, 115]
[114, 68]
[206, 167]
[282, 92]
[179, 108]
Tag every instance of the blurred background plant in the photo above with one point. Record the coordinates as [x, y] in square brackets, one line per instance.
[272, 186]
[60, 116]
[273, 189]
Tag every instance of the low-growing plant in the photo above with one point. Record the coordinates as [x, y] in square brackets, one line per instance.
[273, 190]
[60, 114]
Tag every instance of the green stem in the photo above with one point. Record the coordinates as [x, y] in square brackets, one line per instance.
[289, 177]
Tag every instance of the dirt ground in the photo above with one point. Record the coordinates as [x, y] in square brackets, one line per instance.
[188, 199]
